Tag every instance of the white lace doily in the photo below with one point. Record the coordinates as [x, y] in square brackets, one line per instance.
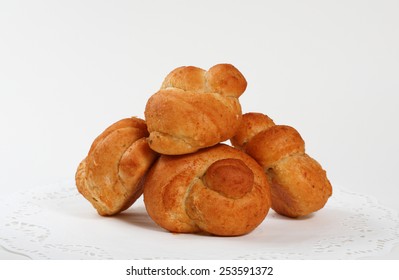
[56, 222]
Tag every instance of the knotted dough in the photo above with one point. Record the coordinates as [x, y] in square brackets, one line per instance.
[195, 109]
[111, 175]
[299, 184]
[218, 190]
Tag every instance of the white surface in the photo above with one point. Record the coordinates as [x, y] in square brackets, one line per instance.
[68, 69]
[55, 222]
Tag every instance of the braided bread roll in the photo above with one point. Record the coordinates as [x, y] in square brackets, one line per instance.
[195, 109]
[111, 176]
[299, 185]
[218, 190]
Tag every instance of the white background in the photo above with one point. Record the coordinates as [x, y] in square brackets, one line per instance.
[68, 69]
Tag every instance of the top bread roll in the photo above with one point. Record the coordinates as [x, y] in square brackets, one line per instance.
[195, 109]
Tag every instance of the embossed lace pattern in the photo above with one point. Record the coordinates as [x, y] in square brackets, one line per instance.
[56, 222]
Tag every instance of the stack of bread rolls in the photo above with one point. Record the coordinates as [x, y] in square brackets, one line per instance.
[192, 182]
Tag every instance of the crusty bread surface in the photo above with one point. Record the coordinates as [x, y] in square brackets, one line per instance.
[111, 176]
[195, 109]
[299, 184]
[218, 190]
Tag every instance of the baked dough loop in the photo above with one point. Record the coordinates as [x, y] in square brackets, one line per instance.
[218, 190]
[195, 109]
[111, 176]
[299, 185]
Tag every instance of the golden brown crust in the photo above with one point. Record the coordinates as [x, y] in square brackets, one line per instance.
[187, 78]
[195, 109]
[251, 124]
[110, 177]
[299, 185]
[190, 193]
[273, 144]
[229, 177]
[226, 80]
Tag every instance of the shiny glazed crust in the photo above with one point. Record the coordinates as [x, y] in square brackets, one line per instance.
[111, 176]
[195, 109]
[218, 190]
[299, 185]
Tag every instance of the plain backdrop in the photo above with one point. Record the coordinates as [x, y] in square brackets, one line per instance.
[69, 69]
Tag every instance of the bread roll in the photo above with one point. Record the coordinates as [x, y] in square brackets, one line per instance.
[299, 185]
[218, 190]
[195, 109]
[111, 175]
